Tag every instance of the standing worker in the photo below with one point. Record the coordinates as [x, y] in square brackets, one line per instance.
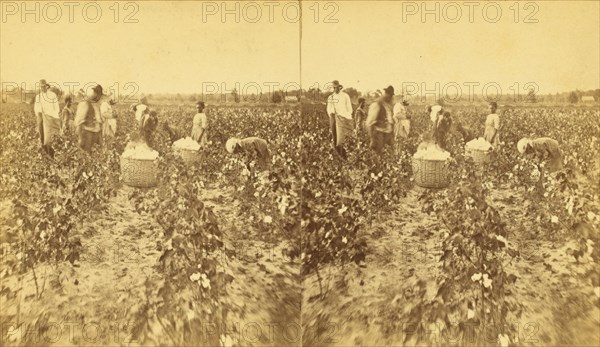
[149, 123]
[200, 125]
[401, 123]
[109, 127]
[435, 113]
[442, 129]
[341, 124]
[47, 111]
[88, 120]
[140, 109]
[380, 122]
[360, 116]
[492, 126]
[67, 117]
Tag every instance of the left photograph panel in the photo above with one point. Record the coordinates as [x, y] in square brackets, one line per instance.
[150, 173]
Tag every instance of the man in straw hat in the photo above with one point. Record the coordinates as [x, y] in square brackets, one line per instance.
[380, 122]
[48, 119]
[545, 149]
[251, 145]
[341, 123]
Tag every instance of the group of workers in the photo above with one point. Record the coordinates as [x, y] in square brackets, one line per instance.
[388, 124]
[95, 120]
[385, 123]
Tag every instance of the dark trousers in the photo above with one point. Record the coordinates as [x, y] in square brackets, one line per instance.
[379, 139]
[40, 126]
[87, 139]
[440, 138]
[332, 129]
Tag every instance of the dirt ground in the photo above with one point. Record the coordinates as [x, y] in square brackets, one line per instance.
[94, 302]
[370, 305]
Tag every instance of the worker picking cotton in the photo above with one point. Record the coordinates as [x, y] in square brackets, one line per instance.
[250, 145]
[544, 149]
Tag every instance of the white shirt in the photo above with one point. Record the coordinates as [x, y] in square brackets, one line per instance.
[47, 103]
[340, 104]
[106, 110]
[139, 111]
[399, 111]
[434, 112]
[200, 120]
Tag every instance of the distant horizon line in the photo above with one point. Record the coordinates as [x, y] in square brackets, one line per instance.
[254, 91]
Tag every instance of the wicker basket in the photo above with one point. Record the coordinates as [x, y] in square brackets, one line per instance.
[140, 173]
[430, 173]
[189, 156]
[479, 156]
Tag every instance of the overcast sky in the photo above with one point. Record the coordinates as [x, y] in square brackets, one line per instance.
[373, 46]
[171, 49]
[186, 46]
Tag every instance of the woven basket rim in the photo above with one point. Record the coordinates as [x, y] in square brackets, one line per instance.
[478, 150]
[186, 149]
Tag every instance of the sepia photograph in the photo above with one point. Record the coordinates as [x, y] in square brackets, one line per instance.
[299, 173]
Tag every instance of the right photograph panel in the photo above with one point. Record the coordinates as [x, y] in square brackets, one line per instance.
[450, 164]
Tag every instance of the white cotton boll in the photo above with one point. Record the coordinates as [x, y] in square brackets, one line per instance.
[226, 341]
[187, 143]
[487, 282]
[503, 340]
[502, 239]
[139, 151]
[431, 152]
[205, 282]
[479, 144]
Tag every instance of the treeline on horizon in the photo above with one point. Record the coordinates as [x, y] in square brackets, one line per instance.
[320, 96]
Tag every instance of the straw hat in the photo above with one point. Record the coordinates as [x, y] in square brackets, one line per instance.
[522, 144]
[231, 143]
